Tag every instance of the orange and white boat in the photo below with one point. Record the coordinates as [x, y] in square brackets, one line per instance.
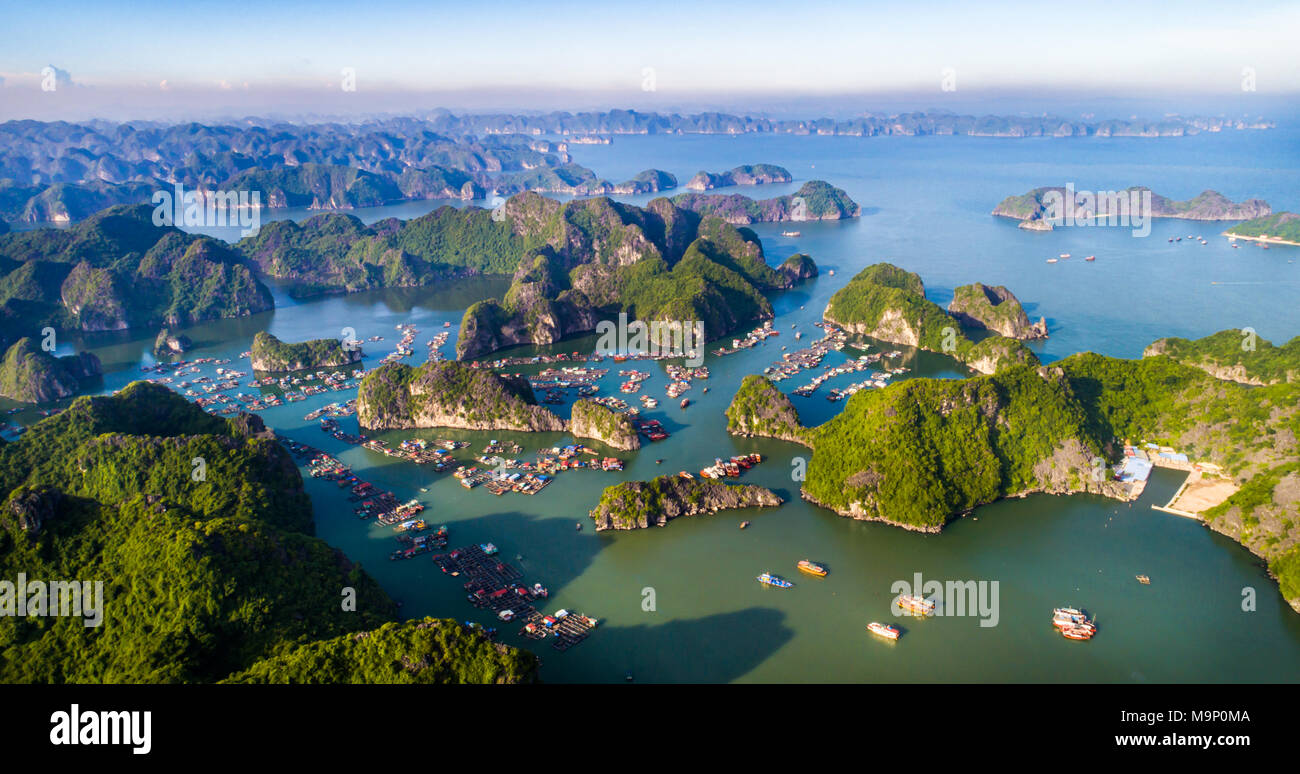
[884, 630]
[812, 568]
[915, 605]
[1077, 633]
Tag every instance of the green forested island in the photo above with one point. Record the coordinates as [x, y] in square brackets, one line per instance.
[586, 260]
[996, 309]
[270, 354]
[32, 375]
[888, 303]
[200, 532]
[746, 174]
[118, 270]
[921, 451]
[815, 200]
[653, 503]
[1238, 355]
[1031, 207]
[1281, 227]
[450, 394]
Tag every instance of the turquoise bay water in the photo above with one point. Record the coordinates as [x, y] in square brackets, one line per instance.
[926, 207]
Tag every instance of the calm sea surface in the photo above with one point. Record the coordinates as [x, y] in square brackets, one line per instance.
[926, 204]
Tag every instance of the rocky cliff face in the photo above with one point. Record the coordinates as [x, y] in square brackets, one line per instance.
[759, 409]
[996, 309]
[450, 394]
[592, 420]
[640, 504]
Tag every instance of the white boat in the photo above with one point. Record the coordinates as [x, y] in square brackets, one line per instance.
[506, 615]
[884, 630]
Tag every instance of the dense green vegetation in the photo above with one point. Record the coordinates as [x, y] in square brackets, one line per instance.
[889, 303]
[1279, 225]
[613, 428]
[271, 354]
[760, 408]
[641, 504]
[591, 259]
[1208, 205]
[1238, 355]
[32, 375]
[449, 394]
[200, 532]
[117, 270]
[428, 651]
[922, 450]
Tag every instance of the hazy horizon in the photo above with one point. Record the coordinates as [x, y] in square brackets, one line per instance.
[298, 60]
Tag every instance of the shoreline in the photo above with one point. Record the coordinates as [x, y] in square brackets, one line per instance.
[1266, 240]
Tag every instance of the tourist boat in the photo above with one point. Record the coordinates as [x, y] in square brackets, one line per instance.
[1144, 580]
[1090, 258]
[685, 402]
[915, 604]
[812, 568]
[744, 524]
[768, 579]
[884, 630]
[1072, 612]
[789, 233]
[506, 615]
[1051, 260]
[1065, 255]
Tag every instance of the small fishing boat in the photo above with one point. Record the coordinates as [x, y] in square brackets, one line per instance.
[1090, 258]
[744, 524]
[768, 579]
[789, 233]
[884, 630]
[1051, 260]
[1144, 580]
[1065, 255]
[506, 615]
[812, 568]
[488, 548]
[686, 402]
[1077, 633]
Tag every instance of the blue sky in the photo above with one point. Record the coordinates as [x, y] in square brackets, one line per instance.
[149, 54]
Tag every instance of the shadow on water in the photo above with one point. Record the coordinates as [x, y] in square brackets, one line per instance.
[723, 647]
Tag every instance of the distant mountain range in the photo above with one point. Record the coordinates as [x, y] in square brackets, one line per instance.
[60, 171]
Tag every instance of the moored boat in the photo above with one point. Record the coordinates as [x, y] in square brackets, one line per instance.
[812, 568]
[769, 579]
[915, 605]
[884, 630]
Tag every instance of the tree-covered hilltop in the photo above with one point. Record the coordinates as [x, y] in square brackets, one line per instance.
[423, 652]
[1238, 355]
[270, 354]
[450, 394]
[1208, 205]
[761, 409]
[994, 308]
[653, 503]
[591, 259]
[200, 532]
[1278, 227]
[797, 267]
[888, 303]
[612, 428]
[920, 451]
[745, 174]
[118, 270]
[32, 375]
[815, 200]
